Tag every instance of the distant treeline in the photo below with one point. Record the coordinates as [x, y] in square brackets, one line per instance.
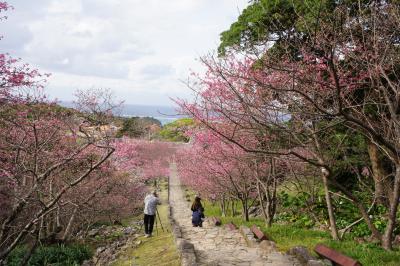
[151, 128]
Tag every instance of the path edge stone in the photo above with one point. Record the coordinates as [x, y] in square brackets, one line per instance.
[248, 236]
[185, 248]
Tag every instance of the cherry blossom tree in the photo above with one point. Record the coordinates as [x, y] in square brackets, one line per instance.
[344, 73]
[146, 160]
[219, 170]
[44, 157]
[57, 173]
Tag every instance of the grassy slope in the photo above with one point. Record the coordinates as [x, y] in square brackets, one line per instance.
[287, 236]
[157, 250]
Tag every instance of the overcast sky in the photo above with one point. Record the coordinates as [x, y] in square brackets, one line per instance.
[140, 49]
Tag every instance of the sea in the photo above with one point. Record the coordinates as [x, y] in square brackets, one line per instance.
[164, 114]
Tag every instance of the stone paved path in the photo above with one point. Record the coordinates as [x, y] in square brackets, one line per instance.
[217, 245]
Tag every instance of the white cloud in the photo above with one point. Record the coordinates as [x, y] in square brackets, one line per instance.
[141, 49]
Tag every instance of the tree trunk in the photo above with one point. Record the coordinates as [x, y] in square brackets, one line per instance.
[69, 226]
[271, 193]
[32, 249]
[267, 193]
[383, 188]
[271, 206]
[28, 255]
[331, 214]
[245, 211]
[58, 222]
[260, 198]
[388, 235]
[325, 175]
[233, 208]
[223, 207]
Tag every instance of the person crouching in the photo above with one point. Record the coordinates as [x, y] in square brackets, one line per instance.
[150, 206]
[197, 212]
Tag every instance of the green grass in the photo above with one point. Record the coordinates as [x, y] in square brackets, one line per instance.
[287, 236]
[367, 254]
[159, 249]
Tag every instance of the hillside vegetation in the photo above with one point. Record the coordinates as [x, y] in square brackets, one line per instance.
[177, 130]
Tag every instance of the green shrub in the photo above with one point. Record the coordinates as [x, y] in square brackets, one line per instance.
[114, 235]
[294, 209]
[101, 223]
[175, 131]
[54, 255]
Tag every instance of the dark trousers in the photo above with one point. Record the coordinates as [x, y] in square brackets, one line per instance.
[148, 223]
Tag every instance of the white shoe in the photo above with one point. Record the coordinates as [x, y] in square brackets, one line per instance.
[146, 235]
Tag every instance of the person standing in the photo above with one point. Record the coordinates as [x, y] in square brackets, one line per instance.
[150, 206]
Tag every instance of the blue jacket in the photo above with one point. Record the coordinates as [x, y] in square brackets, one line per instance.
[196, 217]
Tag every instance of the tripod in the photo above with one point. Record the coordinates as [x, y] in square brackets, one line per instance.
[159, 219]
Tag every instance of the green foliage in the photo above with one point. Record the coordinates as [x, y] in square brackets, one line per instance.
[115, 235]
[267, 18]
[347, 213]
[101, 223]
[348, 153]
[296, 209]
[136, 127]
[279, 20]
[54, 255]
[175, 131]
